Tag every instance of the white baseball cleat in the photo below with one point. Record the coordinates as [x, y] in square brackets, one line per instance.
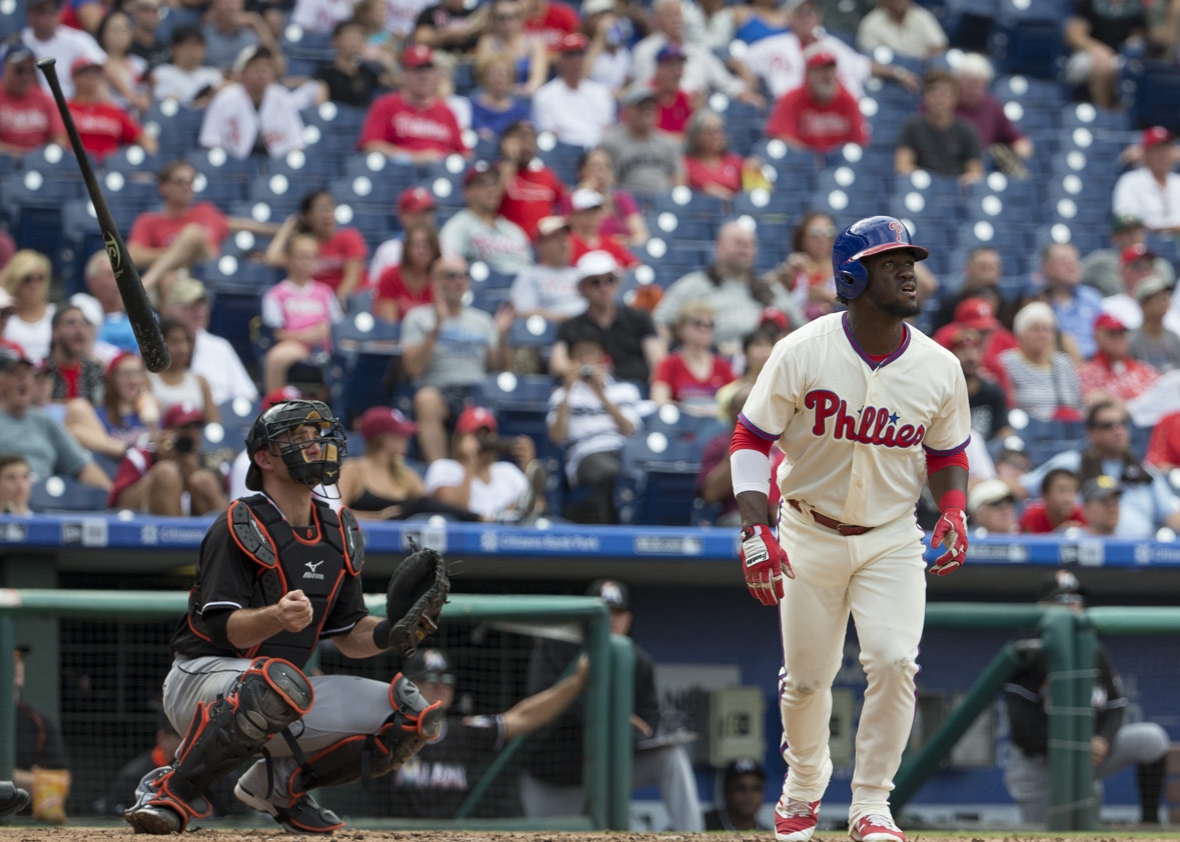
[875, 828]
[796, 821]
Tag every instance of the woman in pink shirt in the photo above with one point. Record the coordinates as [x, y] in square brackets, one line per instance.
[300, 311]
[342, 251]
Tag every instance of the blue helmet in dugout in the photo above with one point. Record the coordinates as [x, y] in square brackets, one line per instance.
[274, 430]
[861, 239]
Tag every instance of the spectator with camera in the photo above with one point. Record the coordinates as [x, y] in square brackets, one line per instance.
[155, 479]
[590, 417]
[477, 479]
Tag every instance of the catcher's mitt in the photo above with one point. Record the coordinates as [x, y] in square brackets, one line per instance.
[414, 601]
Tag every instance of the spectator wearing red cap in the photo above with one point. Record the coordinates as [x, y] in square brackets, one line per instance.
[1095, 34]
[407, 285]
[820, 114]
[903, 27]
[989, 406]
[978, 315]
[531, 189]
[550, 21]
[549, 288]
[1152, 192]
[48, 37]
[1136, 263]
[577, 110]
[935, 139]
[155, 479]
[254, 116]
[103, 126]
[414, 123]
[1112, 373]
[479, 231]
[1101, 267]
[475, 477]
[506, 36]
[415, 206]
[28, 117]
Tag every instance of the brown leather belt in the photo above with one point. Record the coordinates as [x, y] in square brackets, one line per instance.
[845, 529]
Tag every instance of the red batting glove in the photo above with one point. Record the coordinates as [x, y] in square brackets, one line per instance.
[951, 530]
[765, 564]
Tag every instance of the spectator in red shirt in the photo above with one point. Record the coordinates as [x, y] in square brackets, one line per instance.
[184, 232]
[407, 284]
[708, 163]
[28, 116]
[585, 219]
[341, 263]
[985, 112]
[691, 375]
[415, 206]
[977, 314]
[1163, 449]
[551, 21]
[1058, 507]
[674, 103]
[820, 114]
[413, 123]
[102, 125]
[1112, 373]
[532, 191]
[154, 479]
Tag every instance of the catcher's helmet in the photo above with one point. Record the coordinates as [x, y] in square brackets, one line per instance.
[860, 239]
[272, 431]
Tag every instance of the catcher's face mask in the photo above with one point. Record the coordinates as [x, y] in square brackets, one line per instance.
[306, 436]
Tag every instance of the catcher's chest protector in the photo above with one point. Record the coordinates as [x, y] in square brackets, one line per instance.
[318, 566]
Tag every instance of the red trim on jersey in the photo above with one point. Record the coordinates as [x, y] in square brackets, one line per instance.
[746, 437]
[870, 360]
[936, 461]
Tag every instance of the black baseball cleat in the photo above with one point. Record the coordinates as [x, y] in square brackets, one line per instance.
[154, 819]
[13, 799]
[304, 816]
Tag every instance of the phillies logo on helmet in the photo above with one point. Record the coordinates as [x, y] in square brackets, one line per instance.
[877, 425]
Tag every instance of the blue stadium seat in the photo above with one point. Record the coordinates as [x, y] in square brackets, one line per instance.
[1006, 236]
[484, 277]
[174, 126]
[533, 332]
[310, 169]
[773, 211]
[360, 376]
[521, 402]
[796, 170]
[81, 238]
[337, 124]
[1026, 38]
[281, 193]
[1045, 439]
[66, 494]
[1155, 93]
[378, 191]
[657, 484]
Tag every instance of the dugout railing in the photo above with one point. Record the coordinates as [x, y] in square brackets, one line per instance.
[608, 697]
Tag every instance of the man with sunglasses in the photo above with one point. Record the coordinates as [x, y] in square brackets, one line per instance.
[1115, 744]
[28, 117]
[1147, 502]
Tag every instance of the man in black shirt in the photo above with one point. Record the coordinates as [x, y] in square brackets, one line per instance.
[935, 139]
[436, 782]
[451, 25]
[276, 574]
[349, 79]
[39, 745]
[145, 24]
[1115, 744]
[627, 334]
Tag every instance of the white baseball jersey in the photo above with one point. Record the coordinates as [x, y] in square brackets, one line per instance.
[232, 122]
[856, 432]
[779, 61]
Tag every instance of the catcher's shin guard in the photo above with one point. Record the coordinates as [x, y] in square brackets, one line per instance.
[412, 724]
[268, 697]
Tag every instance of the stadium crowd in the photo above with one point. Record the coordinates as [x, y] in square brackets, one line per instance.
[419, 212]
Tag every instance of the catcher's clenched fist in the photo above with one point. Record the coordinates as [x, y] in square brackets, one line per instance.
[295, 611]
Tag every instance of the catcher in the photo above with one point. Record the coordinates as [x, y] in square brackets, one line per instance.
[278, 572]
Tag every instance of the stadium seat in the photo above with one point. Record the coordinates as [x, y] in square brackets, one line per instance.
[1154, 87]
[521, 402]
[365, 358]
[281, 193]
[66, 494]
[1026, 38]
[484, 277]
[657, 484]
[309, 169]
[81, 238]
[174, 126]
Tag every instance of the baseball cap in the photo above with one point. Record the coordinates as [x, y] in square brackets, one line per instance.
[1123, 221]
[574, 42]
[956, 335]
[17, 51]
[433, 665]
[415, 199]
[594, 263]
[819, 55]
[419, 55]
[1100, 488]
[89, 307]
[281, 395]
[187, 290]
[1138, 251]
[638, 93]
[1062, 583]
[988, 492]
[976, 314]
[475, 418]
[249, 54]
[670, 52]
[379, 420]
[1109, 321]
[182, 414]
[776, 317]
[585, 199]
[1155, 136]
[10, 358]
[83, 63]
[550, 225]
[597, 7]
[1149, 285]
[742, 766]
[476, 170]
[612, 592]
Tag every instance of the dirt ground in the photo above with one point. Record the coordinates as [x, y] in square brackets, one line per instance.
[41, 833]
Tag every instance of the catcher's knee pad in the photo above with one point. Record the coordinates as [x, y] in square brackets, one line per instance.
[267, 697]
[412, 724]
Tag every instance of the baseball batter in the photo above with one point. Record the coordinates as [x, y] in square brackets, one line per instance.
[277, 573]
[865, 409]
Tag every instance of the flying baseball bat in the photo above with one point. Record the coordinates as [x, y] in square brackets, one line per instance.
[135, 300]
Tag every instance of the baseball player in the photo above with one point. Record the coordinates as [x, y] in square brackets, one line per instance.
[278, 572]
[865, 408]
[13, 799]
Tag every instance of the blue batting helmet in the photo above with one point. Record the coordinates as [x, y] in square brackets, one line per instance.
[860, 239]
